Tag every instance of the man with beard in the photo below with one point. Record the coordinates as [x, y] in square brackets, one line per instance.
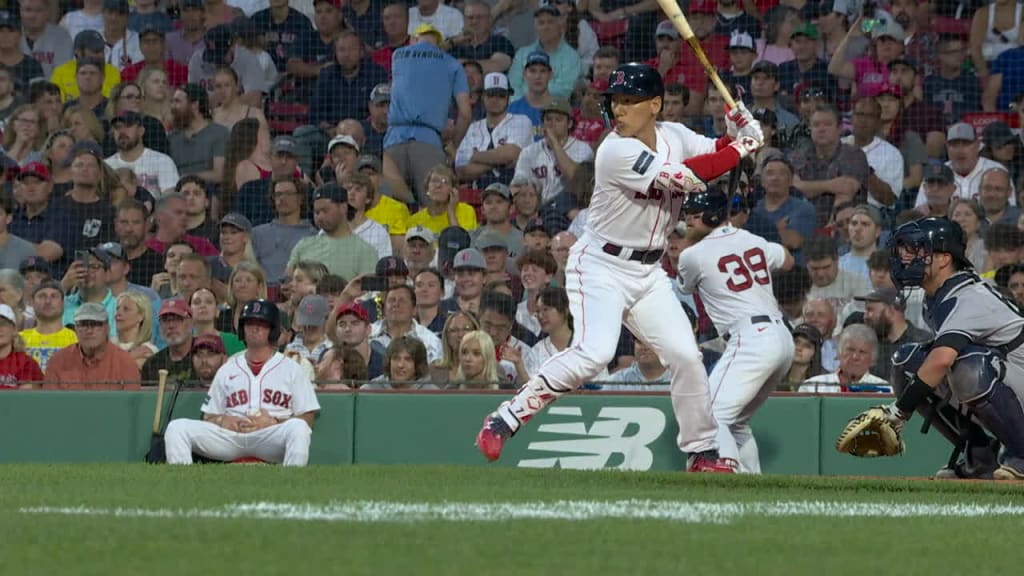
[208, 356]
[176, 358]
[338, 247]
[884, 313]
[155, 171]
[130, 226]
[196, 144]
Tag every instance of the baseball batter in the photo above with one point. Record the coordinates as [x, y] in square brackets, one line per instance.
[731, 268]
[645, 169]
[261, 404]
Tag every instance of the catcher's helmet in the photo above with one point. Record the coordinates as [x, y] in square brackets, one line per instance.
[633, 79]
[264, 310]
[712, 204]
[924, 237]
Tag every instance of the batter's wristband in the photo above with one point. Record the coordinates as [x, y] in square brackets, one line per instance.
[912, 397]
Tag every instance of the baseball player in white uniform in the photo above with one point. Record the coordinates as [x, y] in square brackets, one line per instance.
[645, 169]
[731, 269]
[261, 404]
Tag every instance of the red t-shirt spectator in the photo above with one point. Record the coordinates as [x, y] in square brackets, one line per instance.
[688, 70]
[587, 130]
[17, 368]
[177, 73]
[202, 246]
[382, 56]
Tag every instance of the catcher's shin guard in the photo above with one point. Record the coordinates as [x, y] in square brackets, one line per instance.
[531, 398]
[1000, 412]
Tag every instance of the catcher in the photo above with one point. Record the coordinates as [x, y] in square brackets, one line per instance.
[969, 380]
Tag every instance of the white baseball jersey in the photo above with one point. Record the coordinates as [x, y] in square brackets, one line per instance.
[732, 269]
[154, 171]
[513, 129]
[539, 161]
[968, 187]
[282, 389]
[625, 208]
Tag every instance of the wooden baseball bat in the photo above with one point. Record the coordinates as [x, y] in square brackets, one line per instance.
[160, 387]
[675, 15]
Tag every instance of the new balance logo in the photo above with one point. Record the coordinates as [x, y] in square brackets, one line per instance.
[606, 438]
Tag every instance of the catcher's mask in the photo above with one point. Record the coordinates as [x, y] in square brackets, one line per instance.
[913, 244]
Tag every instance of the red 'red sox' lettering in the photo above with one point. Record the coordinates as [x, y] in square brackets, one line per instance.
[238, 398]
[277, 398]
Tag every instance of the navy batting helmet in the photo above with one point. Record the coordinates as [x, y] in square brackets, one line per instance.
[922, 238]
[633, 79]
[264, 310]
[712, 204]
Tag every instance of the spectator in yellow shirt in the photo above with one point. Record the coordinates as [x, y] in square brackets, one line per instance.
[49, 334]
[89, 45]
[443, 208]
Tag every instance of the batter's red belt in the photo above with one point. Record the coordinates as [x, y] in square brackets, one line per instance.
[642, 256]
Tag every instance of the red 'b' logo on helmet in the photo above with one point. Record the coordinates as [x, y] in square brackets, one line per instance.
[619, 78]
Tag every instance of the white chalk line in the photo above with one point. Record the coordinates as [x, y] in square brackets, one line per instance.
[372, 511]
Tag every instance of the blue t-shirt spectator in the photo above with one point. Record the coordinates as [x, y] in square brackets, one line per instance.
[339, 97]
[1009, 64]
[282, 37]
[496, 43]
[149, 21]
[415, 113]
[369, 25]
[521, 106]
[800, 214]
[954, 96]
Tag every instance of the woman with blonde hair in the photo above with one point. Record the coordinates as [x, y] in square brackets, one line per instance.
[12, 293]
[133, 317]
[156, 96]
[247, 282]
[25, 135]
[458, 324]
[82, 124]
[443, 208]
[204, 307]
[478, 364]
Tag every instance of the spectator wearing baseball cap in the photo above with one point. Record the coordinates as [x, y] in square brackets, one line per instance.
[742, 53]
[337, 247]
[417, 118]
[85, 282]
[884, 311]
[764, 94]
[806, 358]
[154, 170]
[252, 199]
[122, 43]
[533, 90]
[17, 369]
[235, 241]
[216, 50]
[34, 270]
[176, 328]
[89, 45]
[311, 318]
[492, 145]
[468, 267]
[420, 249]
[147, 15]
[118, 269]
[557, 154]
[208, 355]
[375, 125]
[351, 328]
[939, 185]
[22, 68]
[806, 67]
[1005, 147]
[94, 361]
[497, 206]
[868, 73]
[963, 147]
[478, 42]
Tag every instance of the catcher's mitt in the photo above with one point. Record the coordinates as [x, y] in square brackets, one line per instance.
[870, 434]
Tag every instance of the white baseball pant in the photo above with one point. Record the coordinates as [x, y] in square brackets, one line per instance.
[605, 291]
[285, 443]
[756, 359]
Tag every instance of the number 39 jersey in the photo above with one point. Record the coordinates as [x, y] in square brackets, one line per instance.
[731, 269]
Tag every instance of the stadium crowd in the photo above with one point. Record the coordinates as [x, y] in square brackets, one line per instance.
[405, 178]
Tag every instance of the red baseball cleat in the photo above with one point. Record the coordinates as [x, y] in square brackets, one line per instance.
[710, 462]
[491, 438]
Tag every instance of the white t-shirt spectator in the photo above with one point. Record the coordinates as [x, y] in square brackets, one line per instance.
[538, 160]
[375, 235]
[154, 171]
[446, 19]
[968, 186]
[887, 162]
[77, 21]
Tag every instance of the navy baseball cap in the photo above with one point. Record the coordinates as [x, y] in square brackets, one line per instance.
[10, 19]
[35, 264]
[218, 41]
[331, 191]
[90, 40]
[538, 57]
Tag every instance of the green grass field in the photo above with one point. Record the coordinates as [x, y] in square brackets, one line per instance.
[213, 520]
